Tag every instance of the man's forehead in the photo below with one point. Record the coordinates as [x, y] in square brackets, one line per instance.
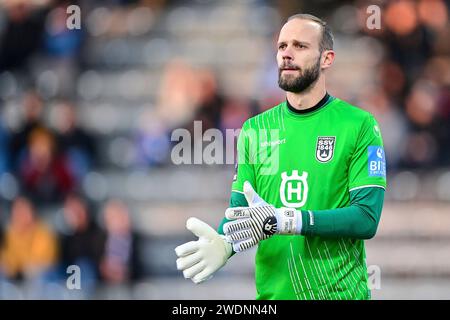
[300, 30]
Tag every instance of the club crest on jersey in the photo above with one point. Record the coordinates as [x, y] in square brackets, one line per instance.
[325, 148]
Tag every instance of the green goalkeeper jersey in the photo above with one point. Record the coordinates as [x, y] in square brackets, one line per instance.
[311, 161]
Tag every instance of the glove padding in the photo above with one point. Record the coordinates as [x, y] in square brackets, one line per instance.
[257, 222]
[251, 225]
[200, 259]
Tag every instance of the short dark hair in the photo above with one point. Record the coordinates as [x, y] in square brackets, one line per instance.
[327, 40]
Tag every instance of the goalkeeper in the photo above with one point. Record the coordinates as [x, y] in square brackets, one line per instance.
[309, 187]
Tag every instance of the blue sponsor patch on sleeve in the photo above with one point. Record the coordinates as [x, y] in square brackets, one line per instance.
[377, 162]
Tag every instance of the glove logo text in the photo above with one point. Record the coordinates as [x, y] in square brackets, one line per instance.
[289, 213]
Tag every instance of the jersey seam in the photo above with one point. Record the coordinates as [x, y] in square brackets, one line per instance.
[367, 186]
[358, 140]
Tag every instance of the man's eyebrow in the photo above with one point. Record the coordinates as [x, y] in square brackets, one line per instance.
[301, 42]
[294, 41]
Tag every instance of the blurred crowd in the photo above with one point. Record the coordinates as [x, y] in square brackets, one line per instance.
[47, 149]
[49, 163]
[411, 97]
[48, 155]
[39, 257]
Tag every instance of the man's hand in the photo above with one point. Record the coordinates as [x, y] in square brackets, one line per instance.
[200, 259]
[258, 222]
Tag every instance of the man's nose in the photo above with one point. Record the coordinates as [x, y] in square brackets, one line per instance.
[287, 54]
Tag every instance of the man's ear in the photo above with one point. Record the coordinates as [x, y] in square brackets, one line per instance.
[327, 59]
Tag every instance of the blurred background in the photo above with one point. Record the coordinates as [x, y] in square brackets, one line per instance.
[86, 117]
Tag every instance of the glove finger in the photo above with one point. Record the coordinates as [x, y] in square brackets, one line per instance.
[194, 270]
[239, 236]
[253, 199]
[200, 228]
[237, 213]
[236, 226]
[244, 245]
[187, 248]
[204, 275]
[188, 261]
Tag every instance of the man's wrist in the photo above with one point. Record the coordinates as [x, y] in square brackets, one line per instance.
[228, 247]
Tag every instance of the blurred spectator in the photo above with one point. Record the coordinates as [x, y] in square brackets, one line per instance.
[438, 72]
[62, 47]
[208, 106]
[422, 110]
[82, 243]
[210, 100]
[120, 262]
[187, 94]
[32, 108]
[44, 174]
[22, 34]
[4, 146]
[76, 144]
[152, 140]
[61, 42]
[29, 248]
[178, 94]
[392, 123]
[408, 40]
[392, 80]
[235, 112]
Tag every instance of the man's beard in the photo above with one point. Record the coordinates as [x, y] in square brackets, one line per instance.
[301, 83]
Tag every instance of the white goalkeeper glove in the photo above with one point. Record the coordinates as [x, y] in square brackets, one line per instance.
[258, 222]
[200, 259]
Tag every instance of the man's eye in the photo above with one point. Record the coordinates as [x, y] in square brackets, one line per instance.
[282, 46]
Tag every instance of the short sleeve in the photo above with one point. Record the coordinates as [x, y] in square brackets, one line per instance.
[368, 162]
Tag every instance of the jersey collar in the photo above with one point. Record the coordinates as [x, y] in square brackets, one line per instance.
[320, 104]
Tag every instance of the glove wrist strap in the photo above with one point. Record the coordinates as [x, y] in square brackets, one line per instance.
[289, 221]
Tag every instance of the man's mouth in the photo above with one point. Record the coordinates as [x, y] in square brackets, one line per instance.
[290, 69]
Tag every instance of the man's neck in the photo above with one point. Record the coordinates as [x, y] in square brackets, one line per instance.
[307, 99]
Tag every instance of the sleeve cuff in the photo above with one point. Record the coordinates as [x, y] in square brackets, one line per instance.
[307, 222]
